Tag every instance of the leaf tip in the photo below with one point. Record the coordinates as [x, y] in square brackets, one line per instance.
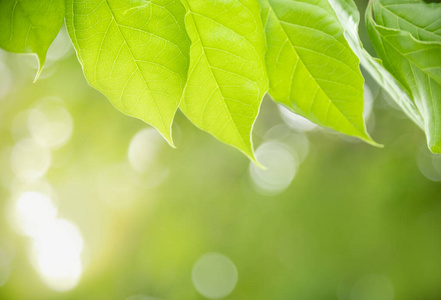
[172, 144]
[169, 138]
[168, 135]
[259, 165]
[371, 142]
[253, 159]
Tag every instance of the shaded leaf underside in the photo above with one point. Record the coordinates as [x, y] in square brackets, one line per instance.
[349, 16]
[415, 63]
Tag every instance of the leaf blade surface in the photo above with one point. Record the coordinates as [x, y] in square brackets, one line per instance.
[311, 68]
[227, 78]
[135, 53]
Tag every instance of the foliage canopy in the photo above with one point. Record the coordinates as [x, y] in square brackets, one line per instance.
[215, 60]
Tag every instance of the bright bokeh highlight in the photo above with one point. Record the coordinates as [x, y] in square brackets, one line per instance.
[214, 276]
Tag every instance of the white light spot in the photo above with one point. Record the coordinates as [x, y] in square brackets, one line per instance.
[143, 153]
[29, 161]
[34, 211]
[372, 287]
[281, 167]
[57, 249]
[20, 190]
[295, 121]
[50, 124]
[214, 276]
[277, 133]
[297, 141]
[143, 149]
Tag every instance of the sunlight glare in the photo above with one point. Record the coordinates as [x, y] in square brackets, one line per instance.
[57, 249]
[33, 212]
[143, 156]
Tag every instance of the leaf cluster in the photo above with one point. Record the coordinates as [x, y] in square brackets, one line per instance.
[216, 59]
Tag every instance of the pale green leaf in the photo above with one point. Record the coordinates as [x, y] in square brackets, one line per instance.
[30, 26]
[135, 53]
[417, 65]
[349, 17]
[311, 68]
[226, 79]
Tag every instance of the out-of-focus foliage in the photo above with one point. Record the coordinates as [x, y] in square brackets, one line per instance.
[95, 205]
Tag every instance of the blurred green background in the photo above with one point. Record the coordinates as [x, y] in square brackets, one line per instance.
[96, 205]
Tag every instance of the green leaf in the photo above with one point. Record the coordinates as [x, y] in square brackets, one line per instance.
[29, 26]
[311, 68]
[226, 78]
[135, 53]
[422, 20]
[417, 65]
[349, 17]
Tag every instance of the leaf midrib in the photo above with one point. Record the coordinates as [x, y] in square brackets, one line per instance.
[212, 73]
[137, 67]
